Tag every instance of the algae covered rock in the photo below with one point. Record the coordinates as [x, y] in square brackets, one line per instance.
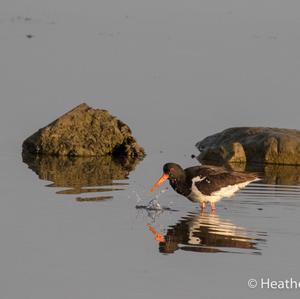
[252, 144]
[85, 131]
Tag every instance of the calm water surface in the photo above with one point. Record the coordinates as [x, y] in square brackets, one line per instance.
[175, 73]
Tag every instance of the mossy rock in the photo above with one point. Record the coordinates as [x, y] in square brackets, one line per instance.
[85, 131]
[252, 144]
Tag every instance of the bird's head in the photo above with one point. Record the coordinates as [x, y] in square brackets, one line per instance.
[172, 172]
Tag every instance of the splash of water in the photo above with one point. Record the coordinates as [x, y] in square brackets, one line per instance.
[154, 204]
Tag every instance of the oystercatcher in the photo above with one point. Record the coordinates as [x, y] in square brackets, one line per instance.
[204, 184]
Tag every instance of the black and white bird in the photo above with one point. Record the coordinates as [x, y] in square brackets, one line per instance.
[204, 184]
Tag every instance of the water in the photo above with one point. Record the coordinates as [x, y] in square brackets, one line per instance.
[175, 73]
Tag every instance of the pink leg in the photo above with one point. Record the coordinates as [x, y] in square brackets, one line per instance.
[202, 205]
[213, 206]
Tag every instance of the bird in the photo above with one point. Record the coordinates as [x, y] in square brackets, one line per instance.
[204, 183]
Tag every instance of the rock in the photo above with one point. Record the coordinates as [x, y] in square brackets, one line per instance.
[252, 144]
[85, 131]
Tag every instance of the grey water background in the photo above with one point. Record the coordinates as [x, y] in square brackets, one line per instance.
[175, 72]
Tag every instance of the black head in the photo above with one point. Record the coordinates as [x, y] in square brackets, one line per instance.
[173, 170]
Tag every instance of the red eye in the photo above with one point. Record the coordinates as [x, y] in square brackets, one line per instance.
[171, 173]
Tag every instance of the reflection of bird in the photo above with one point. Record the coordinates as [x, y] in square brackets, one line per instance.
[157, 236]
[204, 183]
[203, 232]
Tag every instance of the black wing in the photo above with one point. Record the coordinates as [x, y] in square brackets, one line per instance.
[214, 178]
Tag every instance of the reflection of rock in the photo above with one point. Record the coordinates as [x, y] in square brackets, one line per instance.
[275, 174]
[81, 174]
[85, 131]
[282, 174]
[205, 233]
[271, 173]
[246, 144]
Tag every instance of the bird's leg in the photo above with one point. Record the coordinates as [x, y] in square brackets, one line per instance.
[213, 206]
[202, 206]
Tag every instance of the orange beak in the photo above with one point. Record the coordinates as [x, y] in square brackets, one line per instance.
[157, 236]
[162, 179]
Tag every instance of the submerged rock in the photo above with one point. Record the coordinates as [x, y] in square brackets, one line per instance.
[252, 144]
[85, 131]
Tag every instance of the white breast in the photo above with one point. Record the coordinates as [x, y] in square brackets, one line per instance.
[228, 191]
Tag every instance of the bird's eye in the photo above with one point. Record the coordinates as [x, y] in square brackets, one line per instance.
[171, 175]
